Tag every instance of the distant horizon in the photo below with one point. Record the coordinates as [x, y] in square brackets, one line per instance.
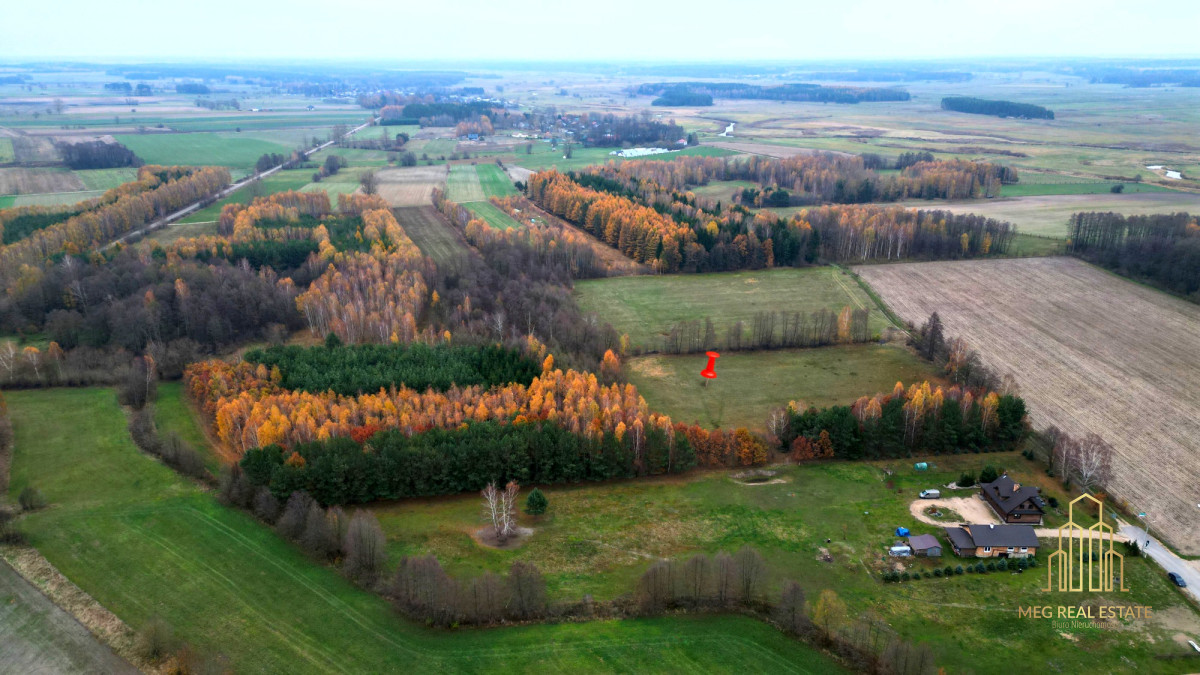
[619, 31]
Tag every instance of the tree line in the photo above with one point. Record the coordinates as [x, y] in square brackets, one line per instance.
[917, 420]
[811, 179]
[157, 191]
[772, 330]
[97, 155]
[815, 93]
[349, 369]
[997, 108]
[394, 465]
[1163, 249]
[679, 234]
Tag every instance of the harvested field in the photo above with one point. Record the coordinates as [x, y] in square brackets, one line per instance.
[27, 149]
[37, 181]
[1047, 215]
[436, 238]
[1091, 352]
[410, 186]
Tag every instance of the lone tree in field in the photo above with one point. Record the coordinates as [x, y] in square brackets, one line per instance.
[369, 182]
[536, 503]
[500, 509]
[365, 548]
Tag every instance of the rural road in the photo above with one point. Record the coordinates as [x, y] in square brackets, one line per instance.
[172, 217]
[1165, 558]
[38, 637]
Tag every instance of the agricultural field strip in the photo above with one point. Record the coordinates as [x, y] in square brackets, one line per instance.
[1091, 353]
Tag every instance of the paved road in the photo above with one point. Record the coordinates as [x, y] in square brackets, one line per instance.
[1165, 558]
[172, 217]
[38, 637]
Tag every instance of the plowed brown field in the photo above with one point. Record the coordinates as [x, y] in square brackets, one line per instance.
[1090, 352]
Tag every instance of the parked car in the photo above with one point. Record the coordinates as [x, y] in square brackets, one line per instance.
[1177, 580]
[931, 494]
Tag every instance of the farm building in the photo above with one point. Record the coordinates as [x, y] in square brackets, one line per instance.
[1013, 502]
[925, 545]
[993, 541]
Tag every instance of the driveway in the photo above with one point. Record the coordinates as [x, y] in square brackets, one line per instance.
[1165, 558]
[973, 510]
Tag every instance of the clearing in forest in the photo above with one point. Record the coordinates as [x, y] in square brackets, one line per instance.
[433, 235]
[410, 186]
[1091, 352]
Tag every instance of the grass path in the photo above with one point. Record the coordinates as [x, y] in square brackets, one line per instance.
[145, 543]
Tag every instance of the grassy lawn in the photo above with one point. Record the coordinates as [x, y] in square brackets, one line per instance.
[495, 181]
[202, 148]
[750, 384]
[1025, 245]
[7, 201]
[6, 150]
[645, 307]
[494, 216]
[598, 538]
[145, 543]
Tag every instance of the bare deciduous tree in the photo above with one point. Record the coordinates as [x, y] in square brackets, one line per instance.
[790, 611]
[369, 183]
[365, 547]
[751, 571]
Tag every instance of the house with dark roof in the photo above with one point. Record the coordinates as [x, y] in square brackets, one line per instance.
[925, 545]
[993, 541]
[1013, 502]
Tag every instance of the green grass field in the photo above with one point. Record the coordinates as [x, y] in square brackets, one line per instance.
[145, 543]
[598, 538]
[6, 151]
[106, 179]
[645, 307]
[1023, 189]
[55, 198]
[462, 185]
[495, 181]
[172, 413]
[750, 384]
[202, 149]
[7, 201]
[493, 215]
[280, 181]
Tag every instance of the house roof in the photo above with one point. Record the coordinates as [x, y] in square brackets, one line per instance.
[922, 542]
[1008, 496]
[1002, 535]
[959, 537]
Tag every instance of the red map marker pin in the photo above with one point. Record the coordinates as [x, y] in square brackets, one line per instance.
[710, 371]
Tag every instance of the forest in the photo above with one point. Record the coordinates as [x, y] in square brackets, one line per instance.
[97, 155]
[983, 106]
[465, 459]
[917, 420]
[815, 93]
[1163, 249]
[771, 330]
[679, 233]
[351, 369]
[812, 179]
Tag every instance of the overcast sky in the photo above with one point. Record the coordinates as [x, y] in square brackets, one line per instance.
[645, 30]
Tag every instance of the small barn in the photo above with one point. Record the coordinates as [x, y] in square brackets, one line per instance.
[925, 545]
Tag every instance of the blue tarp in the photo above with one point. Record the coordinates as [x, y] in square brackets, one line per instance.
[921, 466]
[901, 531]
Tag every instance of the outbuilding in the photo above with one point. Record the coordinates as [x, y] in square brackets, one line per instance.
[925, 545]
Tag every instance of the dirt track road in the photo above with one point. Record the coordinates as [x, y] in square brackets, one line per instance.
[38, 637]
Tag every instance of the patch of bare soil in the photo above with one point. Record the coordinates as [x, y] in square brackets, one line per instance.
[757, 477]
[486, 536]
[1090, 352]
[972, 509]
[411, 186]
